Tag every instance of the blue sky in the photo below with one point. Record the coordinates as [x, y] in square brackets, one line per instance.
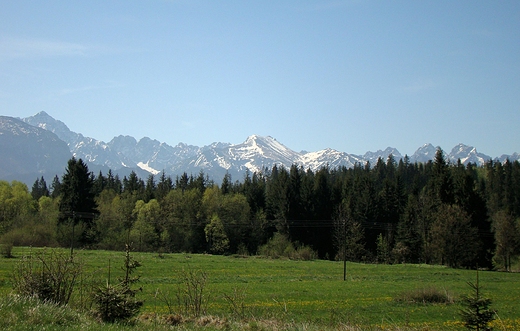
[350, 75]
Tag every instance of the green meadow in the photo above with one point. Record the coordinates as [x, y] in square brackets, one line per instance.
[254, 293]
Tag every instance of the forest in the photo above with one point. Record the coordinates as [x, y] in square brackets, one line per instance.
[463, 216]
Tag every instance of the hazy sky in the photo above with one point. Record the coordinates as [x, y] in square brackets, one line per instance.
[350, 75]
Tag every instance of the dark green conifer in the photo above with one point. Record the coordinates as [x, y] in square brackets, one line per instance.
[477, 313]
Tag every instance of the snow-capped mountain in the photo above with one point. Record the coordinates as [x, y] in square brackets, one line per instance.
[467, 154]
[85, 148]
[372, 157]
[150, 155]
[424, 154]
[513, 157]
[147, 156]
[329, 157]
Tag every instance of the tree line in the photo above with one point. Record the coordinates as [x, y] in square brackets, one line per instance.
[390, 212]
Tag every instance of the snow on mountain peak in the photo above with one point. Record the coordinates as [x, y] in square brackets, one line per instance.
[265, 146]
[252, 138]
[424, 153]
[467, 154]
[328, 157]
[255, 153]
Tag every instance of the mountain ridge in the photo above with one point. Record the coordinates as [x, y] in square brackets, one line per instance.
[29, 152]
[256, 153]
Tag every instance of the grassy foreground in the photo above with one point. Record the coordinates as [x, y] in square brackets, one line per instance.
[252, 293]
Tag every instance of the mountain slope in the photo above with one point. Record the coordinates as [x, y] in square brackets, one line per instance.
[29, 152]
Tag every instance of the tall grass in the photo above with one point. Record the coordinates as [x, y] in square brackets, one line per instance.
[17, 312]
[427, 295]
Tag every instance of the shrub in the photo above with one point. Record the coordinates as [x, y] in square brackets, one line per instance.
[278, 246]
[50, 276]
[242, 250]
[6, 249]
[429, 295]
[114, 303]
[236, 302]
[191, 294]
[304, 253]
[118, 302]
[36, 235]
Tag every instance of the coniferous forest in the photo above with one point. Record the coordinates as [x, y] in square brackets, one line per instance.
[388, 212]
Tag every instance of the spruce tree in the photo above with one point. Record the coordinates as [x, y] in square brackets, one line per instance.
[150, 189]
[477, 313]
[164, 186]
[99, 183]
[441, 183]
[77, 204]
[225, 187]
[56, 187]
[39, 189]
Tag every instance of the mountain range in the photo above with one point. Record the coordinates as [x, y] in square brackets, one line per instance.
[40, 145]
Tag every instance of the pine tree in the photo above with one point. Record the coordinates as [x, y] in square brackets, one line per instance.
[118, 303]
[164, 186]
[134, 185]
[56, 187]
[150, 189]
[200, 182]
[477, 315]
[111, 181]
[440, 183]
[225, 188]
[293, 194]
[408, 238]
[182, 182]
[99, 183]
[277, 197]
[39, 189]
[77, 204]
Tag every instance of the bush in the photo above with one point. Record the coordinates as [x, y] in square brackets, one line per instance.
[118, 302]
[50, 276]
[6, 249]
[35, 235]
[191, 294]
[303, 253]
[237, 301]
[280, 246]
[428, 295]
[115, 303]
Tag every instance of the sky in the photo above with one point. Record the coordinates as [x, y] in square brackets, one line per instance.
[351, 75]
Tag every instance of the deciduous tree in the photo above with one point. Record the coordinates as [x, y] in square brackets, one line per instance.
[507, 238]
[453, 240]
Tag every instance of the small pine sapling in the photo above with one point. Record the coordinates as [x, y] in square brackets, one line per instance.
[118, 302]
[477, 313]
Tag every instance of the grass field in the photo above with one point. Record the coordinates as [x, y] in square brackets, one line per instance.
[300, 295]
